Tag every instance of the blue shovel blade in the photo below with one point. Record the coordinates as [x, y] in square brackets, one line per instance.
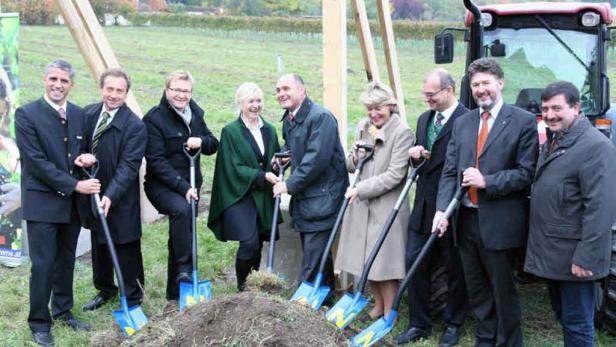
[343, 313]
[304, 295]
[187, 296]
[135, 320]
[374, 332]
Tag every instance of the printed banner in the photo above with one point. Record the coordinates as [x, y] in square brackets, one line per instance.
[11, 234]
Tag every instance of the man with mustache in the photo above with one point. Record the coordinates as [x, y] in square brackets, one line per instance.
[493, 152]
[572, 211]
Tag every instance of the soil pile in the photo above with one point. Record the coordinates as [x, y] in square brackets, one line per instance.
[245, 319]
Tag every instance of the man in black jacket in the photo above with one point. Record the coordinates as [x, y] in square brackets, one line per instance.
[49, 133]
[318, 177]
[116, 139]
[176, 122]
[433, 134]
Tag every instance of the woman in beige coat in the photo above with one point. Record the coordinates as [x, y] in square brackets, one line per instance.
[375, 195]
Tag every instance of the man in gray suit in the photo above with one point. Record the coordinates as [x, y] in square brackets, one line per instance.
[493, 152]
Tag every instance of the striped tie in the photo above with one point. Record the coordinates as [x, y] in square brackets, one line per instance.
[99, 131]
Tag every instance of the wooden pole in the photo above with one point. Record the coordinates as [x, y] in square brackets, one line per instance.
[335, 62]
[391, 55]
[365, 40]
[98, 54]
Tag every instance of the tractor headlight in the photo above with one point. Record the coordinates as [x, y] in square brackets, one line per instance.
[486, 19]
[590, 19]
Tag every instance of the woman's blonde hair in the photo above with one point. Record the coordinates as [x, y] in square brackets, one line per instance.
[379, 94]
[245, 91]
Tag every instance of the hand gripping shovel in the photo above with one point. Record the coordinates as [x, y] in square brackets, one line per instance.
[383, 326]
[130, 319]
[349, 306]
[313, 295]
[272, 243]
[195, 291]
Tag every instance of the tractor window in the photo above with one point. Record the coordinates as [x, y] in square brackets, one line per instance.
[532, 58]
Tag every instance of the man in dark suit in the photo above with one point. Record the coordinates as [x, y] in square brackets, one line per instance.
[493, 151]
[433, 134]
[49, 132]
[116, 139]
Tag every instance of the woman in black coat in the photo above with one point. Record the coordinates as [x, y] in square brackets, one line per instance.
[176, 121]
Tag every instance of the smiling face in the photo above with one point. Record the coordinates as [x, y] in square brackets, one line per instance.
[557, 113]
[114, 92]
[58, 84]
[289, 93]
[178, 93]
[379, 115]
[487, 89]
[251, 107]
[438, 98]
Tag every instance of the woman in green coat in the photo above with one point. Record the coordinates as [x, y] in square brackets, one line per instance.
[242, 204]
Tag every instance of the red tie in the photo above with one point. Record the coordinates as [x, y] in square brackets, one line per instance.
[473, 195]
[62, 113]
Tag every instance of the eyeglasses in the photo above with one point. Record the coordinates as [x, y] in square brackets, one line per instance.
[431, 95]
[180, 91]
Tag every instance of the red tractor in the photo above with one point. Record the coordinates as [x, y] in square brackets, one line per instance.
[536, 44]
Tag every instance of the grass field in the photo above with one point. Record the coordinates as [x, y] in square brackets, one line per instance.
[219, 61]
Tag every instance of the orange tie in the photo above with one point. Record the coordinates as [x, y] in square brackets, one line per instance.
[473, 195]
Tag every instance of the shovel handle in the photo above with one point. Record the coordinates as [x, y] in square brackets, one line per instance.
[191, 153]
[272, 242]
[91, 171]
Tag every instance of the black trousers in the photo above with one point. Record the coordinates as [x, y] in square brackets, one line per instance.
[131, 264]
[313, 245]
[420, 288]
[179, 245]
[52, 252]
[490, 283]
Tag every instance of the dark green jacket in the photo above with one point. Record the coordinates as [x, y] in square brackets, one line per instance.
[240, 170]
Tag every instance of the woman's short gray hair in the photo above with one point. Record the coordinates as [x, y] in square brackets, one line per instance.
[378, 94]
[247, 90]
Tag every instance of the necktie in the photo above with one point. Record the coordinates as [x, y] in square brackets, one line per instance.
[99, 131]
[439, 120]
[62, 113]
[481, 141]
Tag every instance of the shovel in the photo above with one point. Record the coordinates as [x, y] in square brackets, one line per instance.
[130, 319]
[313, 295]
[383, 325]
[195, 291]
[349, 306]
[272, 243]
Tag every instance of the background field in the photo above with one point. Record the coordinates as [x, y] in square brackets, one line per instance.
[220, 61]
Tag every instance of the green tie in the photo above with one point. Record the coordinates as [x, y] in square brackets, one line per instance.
[99, 130]
[433, 129]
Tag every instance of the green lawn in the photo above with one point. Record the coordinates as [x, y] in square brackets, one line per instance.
[219, 61]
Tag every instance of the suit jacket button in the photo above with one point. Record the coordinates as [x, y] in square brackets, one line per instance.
[179, 134]
[178, 177]
[63, 122]
[65, 139]
[69, 155]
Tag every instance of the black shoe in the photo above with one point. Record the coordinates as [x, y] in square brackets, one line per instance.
[450, 337]
[43, 338]
[412, 335]
[73, 322]
[99, 300]
[183, 277]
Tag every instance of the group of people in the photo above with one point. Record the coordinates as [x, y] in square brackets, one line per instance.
[492, 151]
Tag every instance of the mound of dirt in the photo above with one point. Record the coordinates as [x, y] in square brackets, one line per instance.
[244, 319]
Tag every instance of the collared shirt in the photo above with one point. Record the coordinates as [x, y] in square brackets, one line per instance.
[53, 104]
[493, 114]
[100, 118]
[256, 133]
[447, 113]
[186, 115]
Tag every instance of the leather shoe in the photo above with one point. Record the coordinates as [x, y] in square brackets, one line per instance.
[450, 337]
[183, 277]
[74, 323]
[412, 335]
[43, 338]
[99, 300]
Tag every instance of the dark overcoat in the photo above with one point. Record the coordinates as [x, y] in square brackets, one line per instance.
[48, 149]
[119, 154]
[168, 168]
[572, 206]
[318, 177]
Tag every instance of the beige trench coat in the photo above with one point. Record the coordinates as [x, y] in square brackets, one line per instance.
[380, 184]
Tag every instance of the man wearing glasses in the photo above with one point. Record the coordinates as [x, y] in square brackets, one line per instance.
[175, 122]
[433, 133]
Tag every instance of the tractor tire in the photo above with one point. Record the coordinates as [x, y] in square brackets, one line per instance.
[606, 317]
